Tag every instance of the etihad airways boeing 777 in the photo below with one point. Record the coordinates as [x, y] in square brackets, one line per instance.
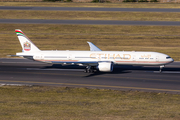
[94, 60]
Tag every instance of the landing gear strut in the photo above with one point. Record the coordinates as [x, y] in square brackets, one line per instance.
[161, 67]
[90, 69]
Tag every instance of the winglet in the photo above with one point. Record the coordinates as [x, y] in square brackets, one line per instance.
[93, 47]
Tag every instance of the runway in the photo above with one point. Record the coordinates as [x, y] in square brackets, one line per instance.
[90, 9]
[90, 22]
[26, 72]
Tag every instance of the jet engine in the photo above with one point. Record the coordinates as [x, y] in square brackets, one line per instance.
[105, 66]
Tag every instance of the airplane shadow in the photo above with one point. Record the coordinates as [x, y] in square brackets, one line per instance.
[59, 66]
[102, 73]
[118, 69]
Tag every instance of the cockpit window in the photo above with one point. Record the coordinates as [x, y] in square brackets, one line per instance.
[168, 57]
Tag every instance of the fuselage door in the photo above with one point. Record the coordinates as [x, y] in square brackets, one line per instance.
[70, 57]
[157, 58]
[134, 58]
[42, 57]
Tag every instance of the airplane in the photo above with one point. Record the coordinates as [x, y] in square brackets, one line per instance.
[94, 60]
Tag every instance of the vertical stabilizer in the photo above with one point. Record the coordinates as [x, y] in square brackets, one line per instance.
[26, 44]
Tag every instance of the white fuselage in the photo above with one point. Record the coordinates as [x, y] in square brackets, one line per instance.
[94, 60]
[94, 57]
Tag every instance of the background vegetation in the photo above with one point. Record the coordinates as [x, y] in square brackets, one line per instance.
[111, 5]
[51, 103]
[89, 15]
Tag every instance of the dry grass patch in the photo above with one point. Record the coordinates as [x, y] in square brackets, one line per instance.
[81, 103]
[110, 5]
[82, 15]
[164, 39]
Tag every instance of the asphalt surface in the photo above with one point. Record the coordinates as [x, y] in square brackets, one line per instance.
[90, 22]
[90, 9]
[26, 72]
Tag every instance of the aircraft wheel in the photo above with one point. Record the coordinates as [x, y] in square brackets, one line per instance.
[89, 71]
[85, 70]
[94, 71]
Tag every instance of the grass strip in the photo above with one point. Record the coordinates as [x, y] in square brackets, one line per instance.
[109, 5]
[82, 15]
[164, 39]
[50, 103]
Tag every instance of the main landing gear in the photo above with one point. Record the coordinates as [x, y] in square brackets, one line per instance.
[90, 69]
[161, 67]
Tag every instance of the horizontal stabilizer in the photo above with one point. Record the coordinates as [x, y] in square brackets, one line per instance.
[19, 55]
[25, 56]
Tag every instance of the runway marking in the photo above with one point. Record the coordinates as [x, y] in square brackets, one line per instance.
[24, 62]
[54, 69]
[170, 72]
[98, 76]
[90, 85]
[163, 72]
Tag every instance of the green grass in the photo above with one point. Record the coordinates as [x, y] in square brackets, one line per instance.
[52, 103]
[164, 39]
[82, 15]
[111, 5]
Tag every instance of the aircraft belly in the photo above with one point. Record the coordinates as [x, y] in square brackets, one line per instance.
[141, 62]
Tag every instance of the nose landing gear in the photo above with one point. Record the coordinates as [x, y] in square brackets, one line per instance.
[161, 67]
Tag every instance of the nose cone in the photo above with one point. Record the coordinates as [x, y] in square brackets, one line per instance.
[172, 60]
[169, 59]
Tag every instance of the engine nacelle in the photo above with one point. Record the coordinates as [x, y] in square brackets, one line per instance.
[105, 66]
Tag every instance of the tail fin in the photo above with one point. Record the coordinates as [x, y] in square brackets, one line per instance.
[26, 44]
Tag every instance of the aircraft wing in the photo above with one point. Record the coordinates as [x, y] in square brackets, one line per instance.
[93, 47]
[81, 63]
